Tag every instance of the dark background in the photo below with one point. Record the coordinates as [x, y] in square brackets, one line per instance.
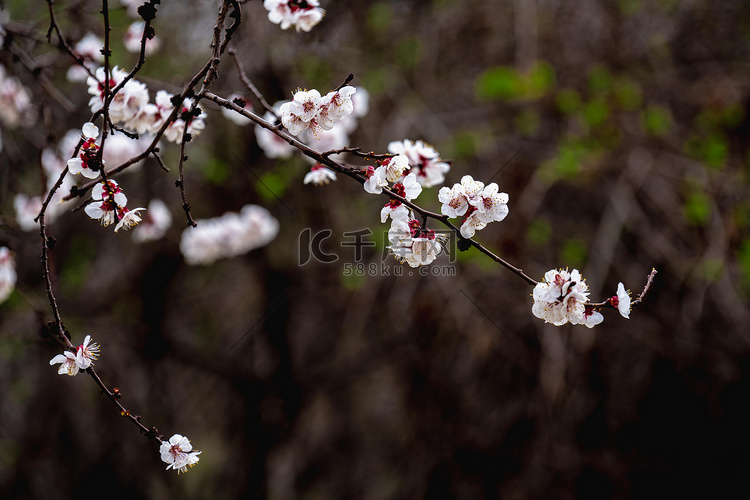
[619, 131]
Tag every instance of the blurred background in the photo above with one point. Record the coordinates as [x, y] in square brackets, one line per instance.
[619, 129]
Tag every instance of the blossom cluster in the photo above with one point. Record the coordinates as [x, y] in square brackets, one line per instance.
[7, 273]
[563, 297]
[178, 453]
[412, 244]
[109, 206]
[477, 203]
[227, 236]
[302, 14]
[15, 102]
[424, 161]
[309, 110]
[131, 108]
[71, 363]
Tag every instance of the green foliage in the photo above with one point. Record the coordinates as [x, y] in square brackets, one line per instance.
[379, 17]
[600, 80]
[407, 53]
[712, 150]
[506, 83]
[539, 232]
[656, 120]
[76, 268]
[743, 258]
[568, 101]
[697, 208]
[629, 7]
[216, 171]
[574, 253]
[271, 185]
[463, 145]
[628, 94]
[316, 72]
[712, 269]
[572, 153]
[527, 121]
[595, 112]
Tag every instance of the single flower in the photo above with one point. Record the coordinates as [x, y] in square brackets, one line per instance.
[178, 453]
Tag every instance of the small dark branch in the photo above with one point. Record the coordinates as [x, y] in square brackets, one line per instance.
[357, 151]
[346, 82]
[40, 77]
[115, 128]
[646, 288]
[107, 96]
[155, 154]
[237, 16]
[249, 84]
[181, 182]
[114, 396]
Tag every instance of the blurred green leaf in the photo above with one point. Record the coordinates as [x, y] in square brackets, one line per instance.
[539, 80]
[539, 232]
[379, 17]
[407, 53]
[463, 145]
[271, 185]
[656, 120]
[316, 72]
[629, 7]
[596, 112]
[568, 101]
[600, 80]
[527, 122]
[574, 253]
[375, 80]
[712, 150]
[697, 208]
[500, 83]
[628, 94]
[216, 171]
[712, 269]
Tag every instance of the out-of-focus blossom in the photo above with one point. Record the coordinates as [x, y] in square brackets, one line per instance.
[272, 145]
[234, 116]
[227, 236]
[134, 35]
[423, 160]
[319, 175]
[132, 6]
[155, 223]
[178, 453]
[196, 123]
[302, 14]
[7, 273]
[15, 101]
[89, 47]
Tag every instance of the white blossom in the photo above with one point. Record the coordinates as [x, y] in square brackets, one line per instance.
[108, 203]
[15, 101]
[7, 273]
[375, 180]
[409, 189]
[89, 48]
[303, 15]
[227, 236]
[423, 159]
[86, 353]
[155, 224]
[411, 244]
[87, 162]
[319, 175]
[490, 205]
[68, 364]
[563, 297]
[178, 453]
[622, 301]
[128, 218]
[134, 35]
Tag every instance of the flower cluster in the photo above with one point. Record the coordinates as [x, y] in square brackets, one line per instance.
[302, 14]
[310, 110]
[131, 109]
[319, 175]
[477, 203]
[230, 235]
[563, 297]
[109, 206]
[15, 101]
[178, 453]
[89, 48]
[423, 161]
[71, 363]
[413, 244]
[155, 223]
[7, 273]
